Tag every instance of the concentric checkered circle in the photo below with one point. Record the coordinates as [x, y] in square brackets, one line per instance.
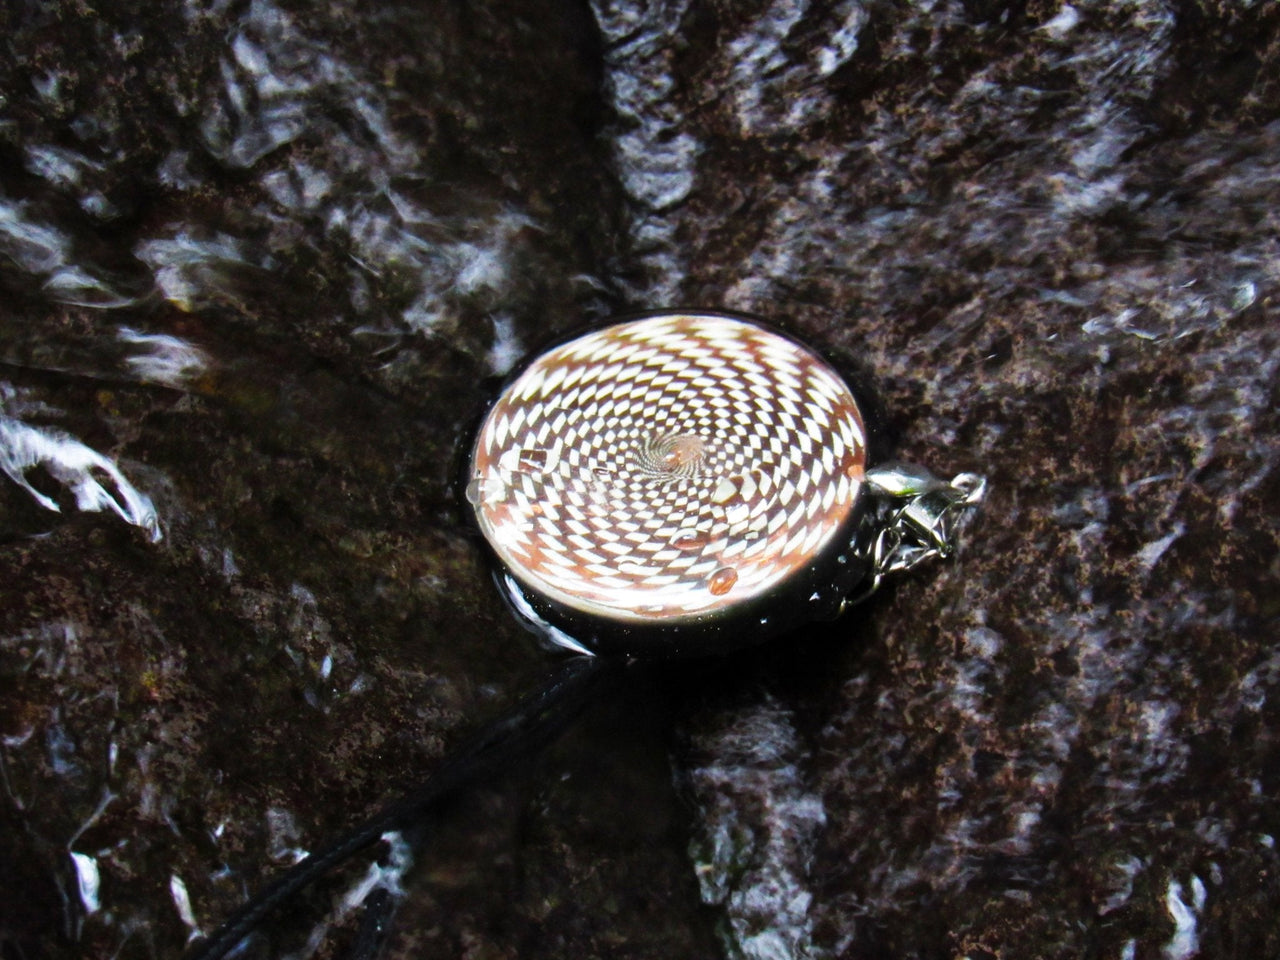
[667, 468]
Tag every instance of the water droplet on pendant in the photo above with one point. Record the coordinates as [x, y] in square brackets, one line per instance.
[480, 491]
[531, 460]
[690, 538]
[722, 581]
[534, 460]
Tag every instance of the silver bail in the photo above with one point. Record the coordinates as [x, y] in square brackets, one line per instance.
[917, 518]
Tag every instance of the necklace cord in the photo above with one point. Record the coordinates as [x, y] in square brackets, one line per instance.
[533, 723]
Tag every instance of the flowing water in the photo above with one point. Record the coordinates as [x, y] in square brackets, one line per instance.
[261, 265]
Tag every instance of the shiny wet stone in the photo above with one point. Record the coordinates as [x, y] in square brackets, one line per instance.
[269, 261]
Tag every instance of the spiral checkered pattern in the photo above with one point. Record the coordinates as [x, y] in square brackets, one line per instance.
[667, 468]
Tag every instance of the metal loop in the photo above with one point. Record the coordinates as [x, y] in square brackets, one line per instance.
[917, 518]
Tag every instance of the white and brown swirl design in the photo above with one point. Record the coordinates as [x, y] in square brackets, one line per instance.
[667, 468]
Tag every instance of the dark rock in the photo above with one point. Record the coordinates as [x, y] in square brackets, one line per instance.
[267, 261]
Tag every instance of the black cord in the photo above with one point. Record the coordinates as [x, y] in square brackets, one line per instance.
[531, 724]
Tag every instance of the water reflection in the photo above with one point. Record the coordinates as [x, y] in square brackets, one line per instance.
[270, 188]
[258, 264]
[93, 481]
[756, 868]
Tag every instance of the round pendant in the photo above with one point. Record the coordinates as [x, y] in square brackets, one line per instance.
[677, 483]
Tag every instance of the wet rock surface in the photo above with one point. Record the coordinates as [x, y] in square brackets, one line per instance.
[261, 264]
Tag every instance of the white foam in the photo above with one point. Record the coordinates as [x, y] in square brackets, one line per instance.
[655, 157]
[60, 167]
[1185, 942]
[843, 42]
[378, 877]
[88, 881]
[34, 246]
[1063, 23]
[73, 464]
[78, 287]
[283, 833]
[188, 269]
[1151, 553]
[182, 903]
[163, 359]
[755, 867]
[507, 349]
